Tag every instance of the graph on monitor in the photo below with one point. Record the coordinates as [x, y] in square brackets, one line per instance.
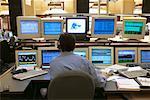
[28, 27]
[46, 55]
[103, 27]
[126, 55]
[134, 27]
[144, 55]
[26, 58]
[101, 55]
[51, 28]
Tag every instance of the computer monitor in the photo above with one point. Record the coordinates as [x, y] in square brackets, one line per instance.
[82, 52]
[125, 55]
[144, 55]
[51, 28]
[101, 56]
[134, 27]
[26, 58]
[103, 26]
[28, 27]
[77, 26]
[46, 55]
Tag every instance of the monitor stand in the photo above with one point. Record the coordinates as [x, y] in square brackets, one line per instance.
[118, 38]
[38, 39]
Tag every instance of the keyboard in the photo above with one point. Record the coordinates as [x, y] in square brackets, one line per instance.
[144, 66]
[134, 74]
[29, 74]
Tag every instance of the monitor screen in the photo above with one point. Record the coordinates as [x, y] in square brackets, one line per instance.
[126, 56]
[81, 53]
[49, 55]
[132, 27]
[26, 59]
[76, 25]
[145, 56]
[101, 56]
[29, 27]
[104, 26]
[52, 28]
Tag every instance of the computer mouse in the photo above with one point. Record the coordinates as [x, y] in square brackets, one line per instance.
[19, 71]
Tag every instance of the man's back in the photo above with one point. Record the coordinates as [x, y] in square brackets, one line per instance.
[68, 61]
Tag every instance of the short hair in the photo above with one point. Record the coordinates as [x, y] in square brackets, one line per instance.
[67, 42]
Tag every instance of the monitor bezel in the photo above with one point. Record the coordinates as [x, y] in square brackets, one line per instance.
[83, 49]
[40, 53]
[16, 56]
[125, 48]
[103, 35]
[139, 54]
[28, 18]
[86, 25]
[51, 36]
[101, 47]
[135, 19]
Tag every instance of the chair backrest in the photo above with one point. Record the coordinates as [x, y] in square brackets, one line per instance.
[72, 85]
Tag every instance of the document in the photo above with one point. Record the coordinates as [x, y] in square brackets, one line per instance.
[127, 84]
[144, 81]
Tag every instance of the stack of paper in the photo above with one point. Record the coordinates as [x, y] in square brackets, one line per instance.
[127, 84]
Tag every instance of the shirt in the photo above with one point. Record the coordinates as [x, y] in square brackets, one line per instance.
[69, 61]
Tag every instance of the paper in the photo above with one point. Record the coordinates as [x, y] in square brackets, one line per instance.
[28, 2]
[127, 84]
[144, 81]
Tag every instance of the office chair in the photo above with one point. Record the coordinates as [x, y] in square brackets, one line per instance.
[72, 85]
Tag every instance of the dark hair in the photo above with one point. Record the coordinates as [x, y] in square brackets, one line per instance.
[67, 42]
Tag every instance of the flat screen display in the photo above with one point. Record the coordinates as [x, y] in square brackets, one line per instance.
[101, 56]
[52, 28]
[104, 26]
[76, 25]
[132, 27]
[126, 56]
[81, 53]
[145, 56]
[49, 55]
[29, 27]
[27, 59]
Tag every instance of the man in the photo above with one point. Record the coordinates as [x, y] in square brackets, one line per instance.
[68, 61]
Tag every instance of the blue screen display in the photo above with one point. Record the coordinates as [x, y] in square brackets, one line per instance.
[104, 26]
[29, 27]
[101, 56]
[80, 53]
[126, 56]
[145, 56]
[49, 55]
[52, 28]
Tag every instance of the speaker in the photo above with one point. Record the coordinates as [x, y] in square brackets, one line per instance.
[82, 6]
[146, 6]
[15, 9]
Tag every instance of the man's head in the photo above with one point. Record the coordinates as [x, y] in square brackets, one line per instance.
[67, 42]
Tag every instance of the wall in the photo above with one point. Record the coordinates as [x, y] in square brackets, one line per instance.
[28, 9]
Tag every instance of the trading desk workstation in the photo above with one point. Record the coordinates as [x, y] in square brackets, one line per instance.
[112, 55]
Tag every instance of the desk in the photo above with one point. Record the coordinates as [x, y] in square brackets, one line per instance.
[19, 87]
